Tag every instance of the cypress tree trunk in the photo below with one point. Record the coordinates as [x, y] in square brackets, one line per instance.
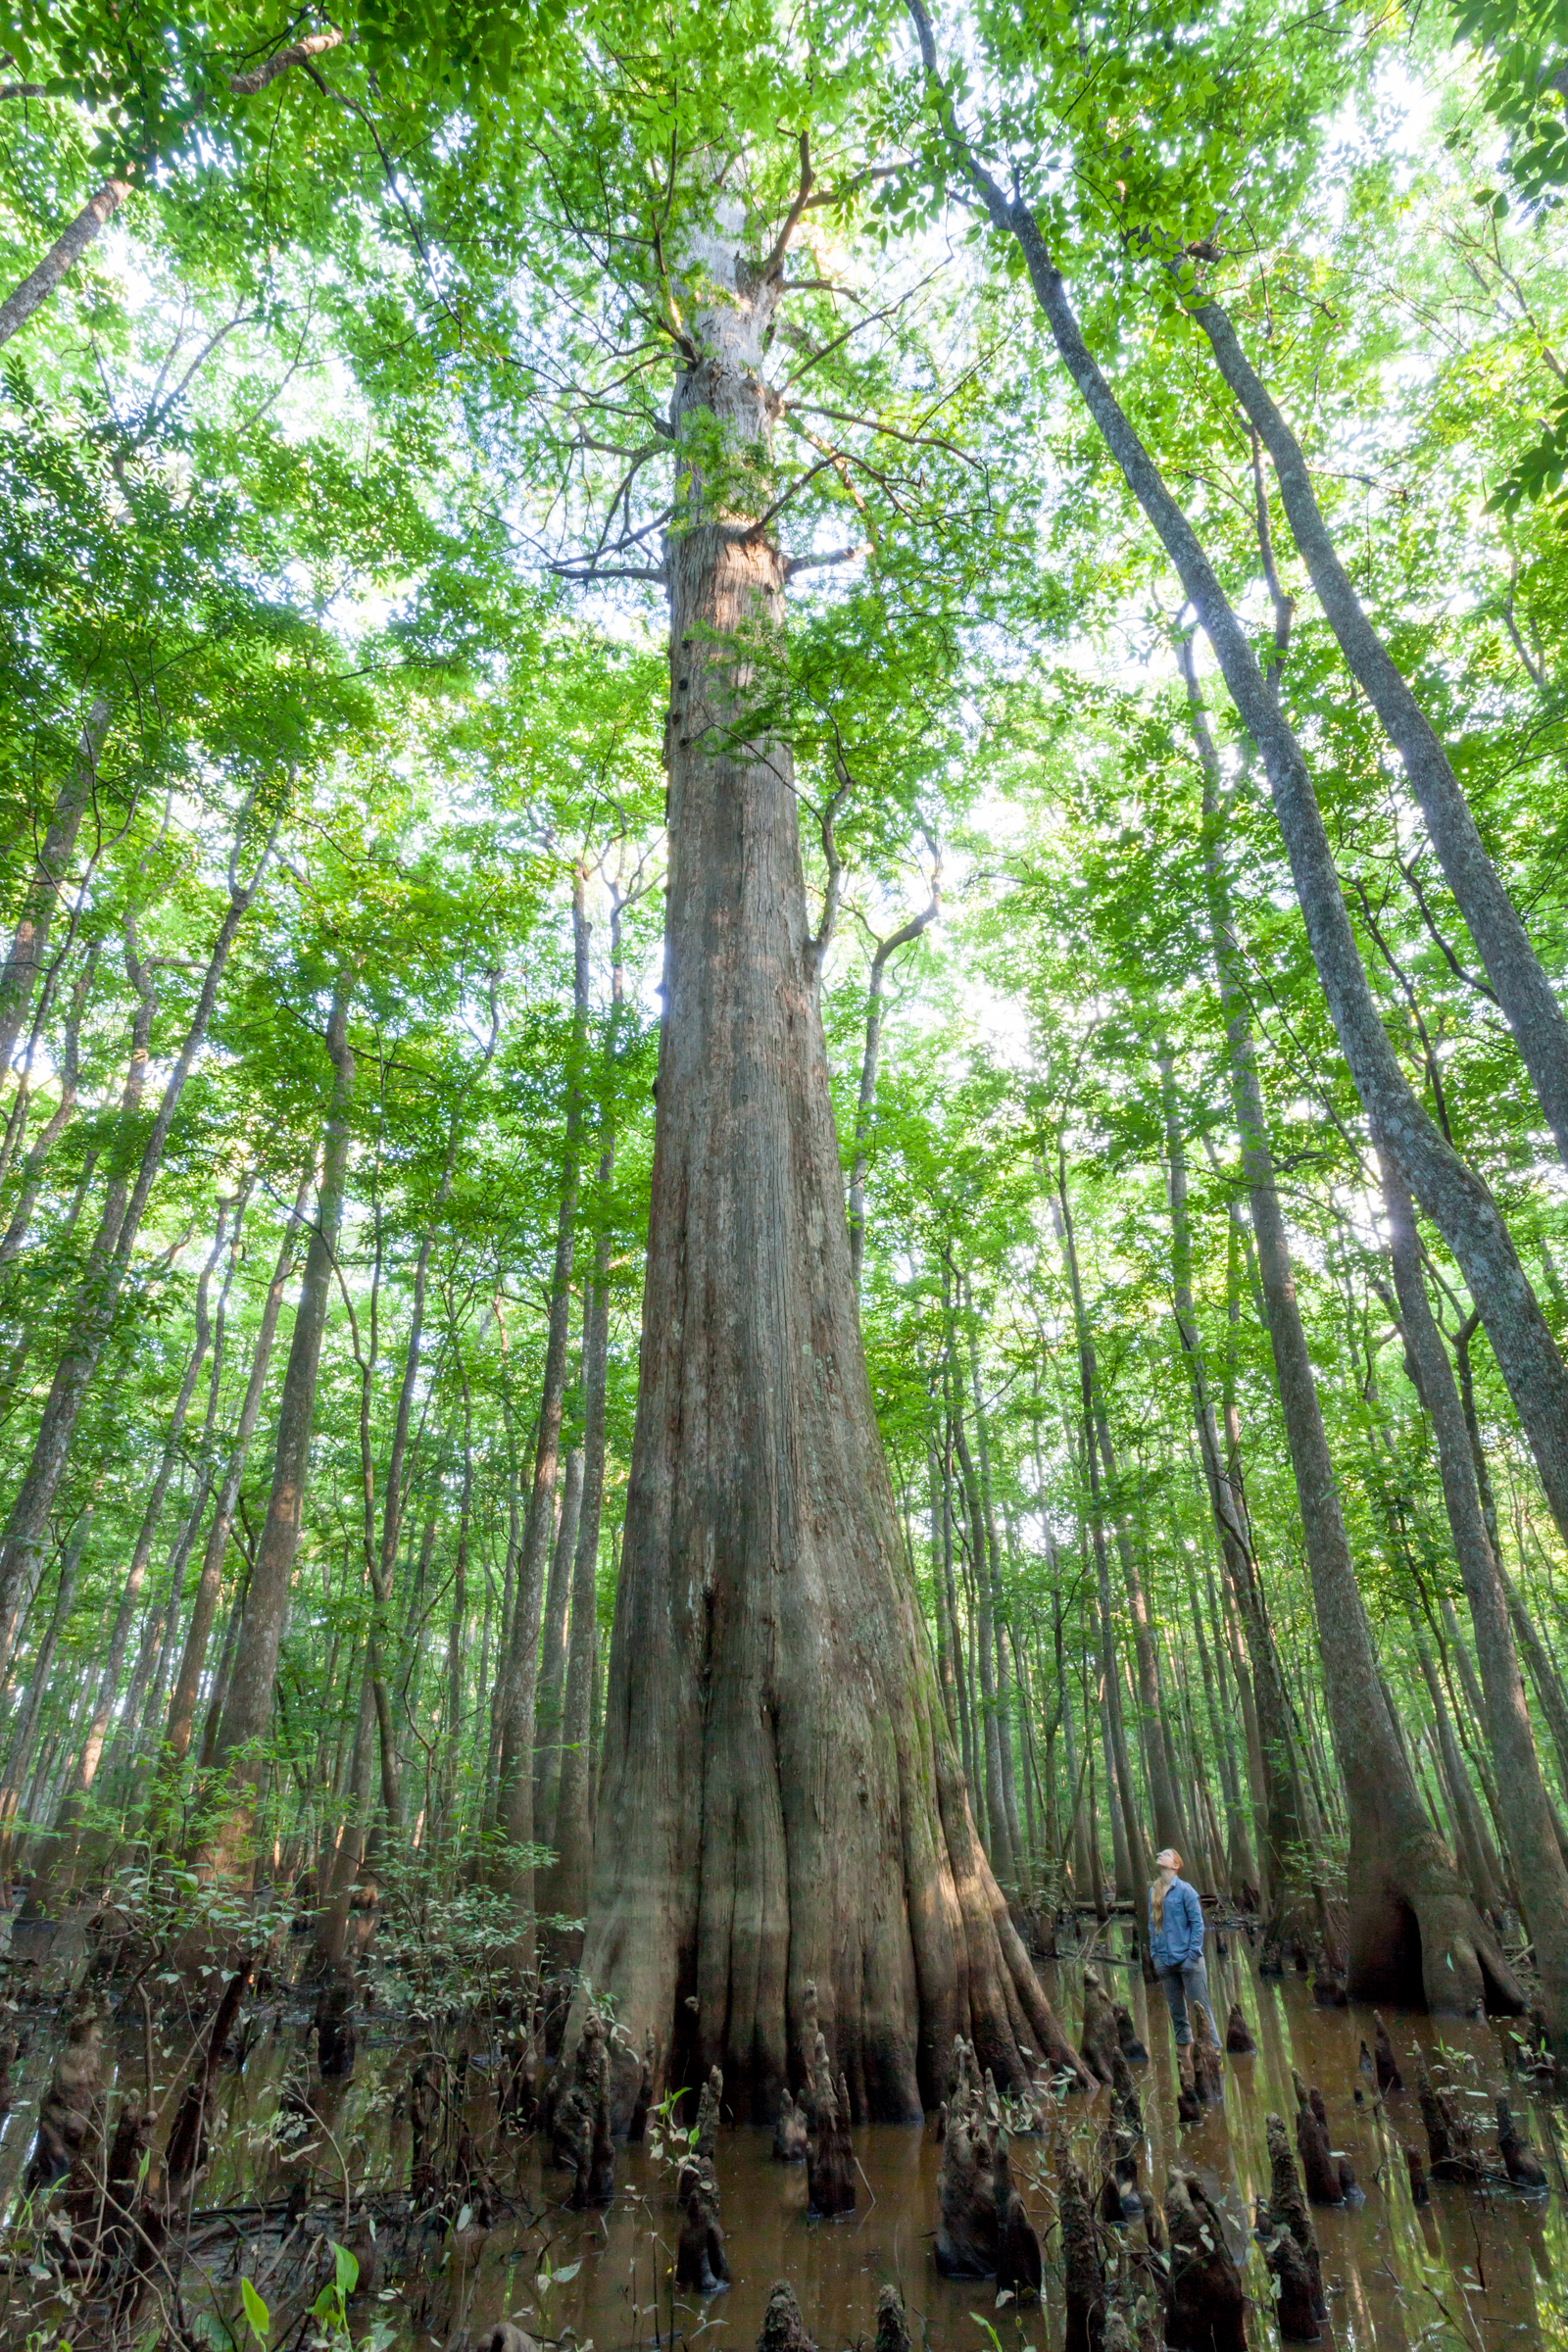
[779, 1800]
[248, 1702]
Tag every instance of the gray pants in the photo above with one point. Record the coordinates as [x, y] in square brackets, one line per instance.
[1184, 1985]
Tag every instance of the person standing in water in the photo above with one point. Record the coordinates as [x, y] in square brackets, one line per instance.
[1176, 1943]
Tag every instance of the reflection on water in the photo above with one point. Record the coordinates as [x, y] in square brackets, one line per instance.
[1477, 2269]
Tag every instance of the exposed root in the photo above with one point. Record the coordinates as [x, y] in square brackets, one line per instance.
[1238, 2033]
[1100, 2035]
[1451, 2141]
[700, 2262]
[790, 2133]
[1207, 2305]
[829, 2158]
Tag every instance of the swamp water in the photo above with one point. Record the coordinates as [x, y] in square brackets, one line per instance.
[1479, 2267]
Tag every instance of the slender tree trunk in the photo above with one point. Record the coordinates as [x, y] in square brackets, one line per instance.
[865, 1106]
[780, 1803]
[520, 1668]
[35, 1167]
[1524, 993]
[941, 1572]
[1548, 1685]
[1168, 1825]
[1532, 1836]
[962, 1684]
[38, 1680]
[204, 1608]
[456, 1626]
[31, 939]
[62, 256]
[93, 1314]
[567, 1887]
[332, 1931]
[990, 1571]
[53, 1866]
[1282, 1823]
[1239, 1870]
[248, 1705]
[553, 1657]
[1451, 1192]
[1136, 1857]
[998, 1843]
[218, 1692]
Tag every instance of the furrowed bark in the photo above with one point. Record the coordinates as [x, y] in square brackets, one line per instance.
[779, 1802]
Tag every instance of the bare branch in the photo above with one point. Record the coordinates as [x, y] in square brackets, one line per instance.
[773, 267]
[840, 555]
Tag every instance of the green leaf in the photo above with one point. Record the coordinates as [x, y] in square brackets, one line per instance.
[258, 2316]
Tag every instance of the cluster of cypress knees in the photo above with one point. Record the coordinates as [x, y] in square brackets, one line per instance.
[1177, 2285]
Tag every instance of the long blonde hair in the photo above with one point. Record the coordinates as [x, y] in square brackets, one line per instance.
[1156, 1892]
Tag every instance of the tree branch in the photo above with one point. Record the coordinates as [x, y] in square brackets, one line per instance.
[840, 555]
[773, 267]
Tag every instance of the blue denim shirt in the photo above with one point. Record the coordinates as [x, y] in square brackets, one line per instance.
[1179, 1939]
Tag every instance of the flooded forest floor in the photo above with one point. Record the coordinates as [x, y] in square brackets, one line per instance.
[295, 2165]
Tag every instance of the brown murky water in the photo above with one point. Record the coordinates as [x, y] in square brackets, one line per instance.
[1483, 2270]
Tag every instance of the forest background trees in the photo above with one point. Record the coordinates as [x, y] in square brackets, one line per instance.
[1134, 584]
